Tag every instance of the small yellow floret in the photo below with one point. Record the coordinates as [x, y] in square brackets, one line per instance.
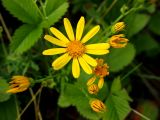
[18, 84]
[97, 105]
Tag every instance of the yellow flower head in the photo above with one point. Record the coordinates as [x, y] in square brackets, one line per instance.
[100, 71]
[74, 47]
[118, 27]
[18, 84]
[97, 105]
[93, 89]
[118, 41]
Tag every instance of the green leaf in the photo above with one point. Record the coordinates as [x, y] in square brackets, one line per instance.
[145, 42]
[150, 110]
[25, 10]
[77, 98]
[117, 105]
[154, 23]
[52, 5]
[116, 85]
[24, 38]
[55, 15]
[63, 101]
[135, 23]
[4, 86]
[8, 110]
[119, 58]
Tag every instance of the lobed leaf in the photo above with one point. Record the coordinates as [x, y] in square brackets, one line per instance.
[119, 58]
[136, 22]
[117, 106]
[25, 10]
[24, 38]
[77, 98]
[55, 15]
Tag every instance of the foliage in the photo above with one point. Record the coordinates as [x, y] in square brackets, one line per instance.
[21, 54]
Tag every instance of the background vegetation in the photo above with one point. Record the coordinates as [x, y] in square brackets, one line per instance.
[131, 91]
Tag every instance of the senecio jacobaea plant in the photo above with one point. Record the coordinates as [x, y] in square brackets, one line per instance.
[75, 48]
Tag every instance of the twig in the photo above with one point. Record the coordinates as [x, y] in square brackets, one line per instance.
[5, 28]
[35, 104]
[138, 113]
[39, 90]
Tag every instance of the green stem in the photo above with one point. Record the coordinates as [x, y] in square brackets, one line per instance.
[38, 10]
[109, 8]
[4, 48]
[5, 28]
[43, 8]
[131, 71]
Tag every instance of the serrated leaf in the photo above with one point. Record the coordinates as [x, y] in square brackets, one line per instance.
[119, 58]
[116, 85]
[117, 105]
[4, 86]
[77, 98]
[24, 38]
[63, 101]
[55, 15]
[8, 110]
[135, 23]
[52, 5]
[25, 10]
[154, 23]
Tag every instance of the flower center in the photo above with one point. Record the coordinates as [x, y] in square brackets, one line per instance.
[76, 48]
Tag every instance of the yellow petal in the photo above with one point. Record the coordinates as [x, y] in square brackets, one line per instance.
[100, 82]
[61, 61]
[59, 35]
[54, 41]
[69, 30]
[98, 46]
[90, 34]
[85, 66]
[54, 51]
[89, 60]
[75, 68]
[80, 27]
[97, 52]
[91, 81]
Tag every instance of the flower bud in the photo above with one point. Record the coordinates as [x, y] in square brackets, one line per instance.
[100, 82]
[18, 84]
[118, 27]
[118, 41]
[97, 105]
[93, 89]
[91, 81]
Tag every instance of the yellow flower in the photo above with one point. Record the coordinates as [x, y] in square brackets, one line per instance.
[118, 27]
[74, 47]
[100, 71]
[93, 89]
[118, 41]
[97, 105]
[18, 84]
